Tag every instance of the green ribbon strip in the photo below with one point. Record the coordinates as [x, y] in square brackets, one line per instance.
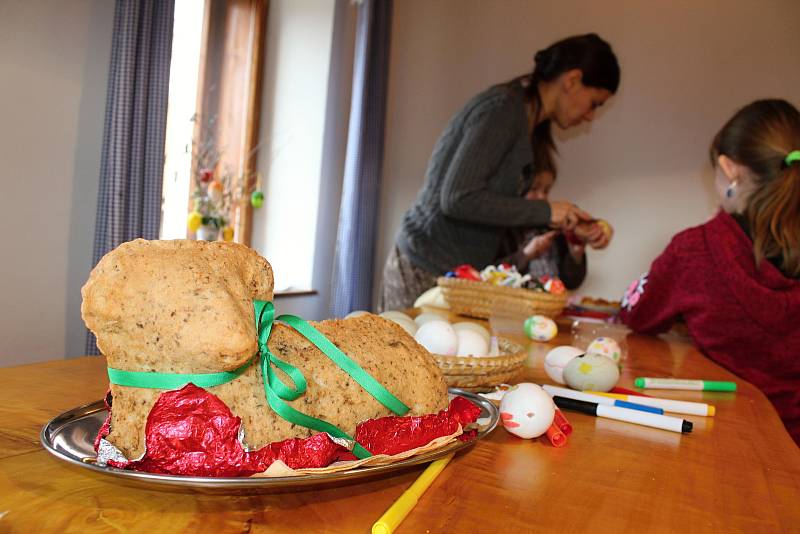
[275, 390]
[138, 379]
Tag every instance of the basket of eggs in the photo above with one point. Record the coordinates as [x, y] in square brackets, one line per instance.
[481, 294]
[468, 355]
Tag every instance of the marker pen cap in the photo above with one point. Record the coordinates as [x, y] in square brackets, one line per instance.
[679, 383]
[712, 385]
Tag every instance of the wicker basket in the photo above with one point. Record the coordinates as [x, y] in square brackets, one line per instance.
[482, 299]
[483, 373]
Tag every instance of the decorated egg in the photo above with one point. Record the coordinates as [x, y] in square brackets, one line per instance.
[215, 191]
[540, 328]
[194, 220]
[206, 175]
[607, 230]
[591, 372]
[227, 233]
[554, 286]
[424, 317]
[475, 327]
[257, 199]
[471, 343]
[355, 313]
[605, 346]
[527, 410]
[557, 359]
[438, 337]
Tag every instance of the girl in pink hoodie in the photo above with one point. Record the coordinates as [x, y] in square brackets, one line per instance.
[736, 279]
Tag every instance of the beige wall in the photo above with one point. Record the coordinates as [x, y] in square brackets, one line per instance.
[54, 58]
[305, 107]
[686, 66]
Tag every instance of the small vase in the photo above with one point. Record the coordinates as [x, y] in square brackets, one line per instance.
[208, 232]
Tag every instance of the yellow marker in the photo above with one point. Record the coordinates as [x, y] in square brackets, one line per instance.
[668, 405]
[398, 511]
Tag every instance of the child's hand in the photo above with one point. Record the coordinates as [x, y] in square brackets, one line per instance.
[539, 244]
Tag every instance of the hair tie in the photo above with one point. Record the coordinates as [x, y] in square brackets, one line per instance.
[791, 157]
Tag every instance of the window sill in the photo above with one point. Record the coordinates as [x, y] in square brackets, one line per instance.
[295, 292]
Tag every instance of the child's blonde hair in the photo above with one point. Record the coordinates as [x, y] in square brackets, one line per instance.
[760, 136]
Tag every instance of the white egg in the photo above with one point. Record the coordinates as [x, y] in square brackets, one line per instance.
[355, 313]
[605, 346]
[475, 327]
[471, 343]
[424, 317]
[592, 372]
[527, 410]
[438, 337]
[405, 321]
[391, 314]
[557, 359]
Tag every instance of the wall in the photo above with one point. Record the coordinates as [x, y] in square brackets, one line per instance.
[643, 165]
[55, 68]
[54, 57]
[305, 109]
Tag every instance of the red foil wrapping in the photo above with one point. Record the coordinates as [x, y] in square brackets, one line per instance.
[393, 435]
[191, 432]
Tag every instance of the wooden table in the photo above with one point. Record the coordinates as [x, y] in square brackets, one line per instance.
[738, 471]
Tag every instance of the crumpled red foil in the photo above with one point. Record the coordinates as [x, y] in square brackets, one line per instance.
[191, 432]
[393, 435]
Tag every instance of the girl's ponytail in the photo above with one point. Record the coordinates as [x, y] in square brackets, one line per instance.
[773, 212]
[765, 137]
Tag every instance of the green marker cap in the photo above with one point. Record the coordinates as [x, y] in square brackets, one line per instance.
[712, 385]
[639, 382]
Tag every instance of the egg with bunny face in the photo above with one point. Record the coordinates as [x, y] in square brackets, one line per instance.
[527, 410]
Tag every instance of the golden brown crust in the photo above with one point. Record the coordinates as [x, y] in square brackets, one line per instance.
[190, 300]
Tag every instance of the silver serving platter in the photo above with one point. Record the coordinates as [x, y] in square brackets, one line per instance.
[70, 437]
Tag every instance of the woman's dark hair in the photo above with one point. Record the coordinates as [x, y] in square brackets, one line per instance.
[760, 136]
[598, 65]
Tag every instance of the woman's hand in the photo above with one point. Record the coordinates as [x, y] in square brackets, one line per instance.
[594, 234]
[566, 215]
[539, 244]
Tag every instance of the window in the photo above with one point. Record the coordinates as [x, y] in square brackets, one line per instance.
[284, 118]
[214, 100]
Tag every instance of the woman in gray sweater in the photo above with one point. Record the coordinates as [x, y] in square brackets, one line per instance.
[482, 164]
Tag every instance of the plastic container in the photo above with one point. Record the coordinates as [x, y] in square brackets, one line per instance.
[586, 331]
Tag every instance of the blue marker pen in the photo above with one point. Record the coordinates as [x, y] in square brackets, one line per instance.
[597, 399]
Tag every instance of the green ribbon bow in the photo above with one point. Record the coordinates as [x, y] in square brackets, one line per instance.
[275, 390]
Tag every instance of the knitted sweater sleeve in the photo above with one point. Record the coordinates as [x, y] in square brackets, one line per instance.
[652, 303]
[489, 136]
